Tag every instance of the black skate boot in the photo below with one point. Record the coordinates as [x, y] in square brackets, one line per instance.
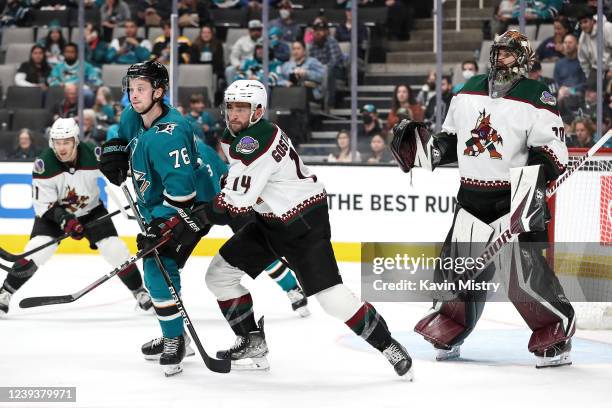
[171, 358]
[153, 349]
[249, 352]
[556, 356]
[5, 299]
[143, 299]
[299, 301]
[400, 359]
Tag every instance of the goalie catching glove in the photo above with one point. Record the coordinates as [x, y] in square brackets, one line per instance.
[414, 146]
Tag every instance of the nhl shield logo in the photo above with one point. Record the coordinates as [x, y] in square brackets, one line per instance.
[247, 145]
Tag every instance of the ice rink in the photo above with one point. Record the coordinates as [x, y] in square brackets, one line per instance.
[316, 362]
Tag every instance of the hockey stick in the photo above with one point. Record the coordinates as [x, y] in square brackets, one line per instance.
[115, 200]
[218, 366]
[7, 256]
[54, 300]
[496, 245]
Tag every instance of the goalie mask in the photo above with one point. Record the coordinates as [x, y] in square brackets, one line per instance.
[503, 76]
[247, 91]
[62, 131]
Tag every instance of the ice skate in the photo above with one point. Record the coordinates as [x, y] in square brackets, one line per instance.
[5, 298]
[555, 356]
[249, 352]
[143, 299]
[153, 349]
[172, 356]
[397, 355]
[299, 301]
[447, 353]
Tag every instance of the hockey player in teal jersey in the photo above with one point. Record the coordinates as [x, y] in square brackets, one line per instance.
[159, 146]
[277, 270]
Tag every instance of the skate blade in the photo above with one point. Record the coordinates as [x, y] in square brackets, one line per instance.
[251, 364]
[172, 369]
[303, 311]
[551, 362]
[409, 376]
[189, 352]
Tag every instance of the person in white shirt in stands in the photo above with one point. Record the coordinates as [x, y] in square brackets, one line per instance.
[243, 49]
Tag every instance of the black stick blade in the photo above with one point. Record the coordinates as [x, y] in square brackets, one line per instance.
[218, 366]
[7, 256]
[45, 300]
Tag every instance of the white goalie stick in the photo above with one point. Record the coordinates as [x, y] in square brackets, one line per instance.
[496, 245]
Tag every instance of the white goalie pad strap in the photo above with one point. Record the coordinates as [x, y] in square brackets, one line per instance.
[528, 199]
[470, 235]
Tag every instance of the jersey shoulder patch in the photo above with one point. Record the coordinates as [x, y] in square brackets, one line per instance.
[46, 165]
[534, 93]
[253, 142]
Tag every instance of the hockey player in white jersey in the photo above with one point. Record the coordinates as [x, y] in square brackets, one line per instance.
[267, 177]
[496, 123]
[66, 197]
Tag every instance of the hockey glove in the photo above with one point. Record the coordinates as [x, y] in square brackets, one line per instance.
[157, 229]
[413, 146]
[66, 221]
[114, 160]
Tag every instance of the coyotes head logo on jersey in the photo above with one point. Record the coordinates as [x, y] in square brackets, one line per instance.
[484, 137]
[72, 201]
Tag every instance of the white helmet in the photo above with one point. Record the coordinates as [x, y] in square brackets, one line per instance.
[64, 128]
[249, 91]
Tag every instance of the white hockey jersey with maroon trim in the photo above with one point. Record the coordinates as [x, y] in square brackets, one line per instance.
[266, 175]
[494, 135]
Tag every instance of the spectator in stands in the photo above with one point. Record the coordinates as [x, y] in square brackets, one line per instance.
[536, 74]
[589, 105]
[538, 11]
[161, 46]
[67, 107]
[93, 134]
[202, 122]
[343, 152]
[193, 13]
[399, 19]
[67, 72]
[207, 49]
[302, 71]
[129, 49]
[583, 130]
[15, 13]
[587, 45]
[371, 122]
[403, 99]
[447, 94]
[35, 71]
[105, 107]
[343, 31]
[113, 13]
[379, 153]
[428, 90]
[230, 3]
[96, 49]
[243, 49]
[502, 16]
[152, 12]
[25, 146]
[568, 75]
[326, 49]
[252, 68]
[290, 29]
[54, 43]
[469, 68]
[280, 49]
[551, 48]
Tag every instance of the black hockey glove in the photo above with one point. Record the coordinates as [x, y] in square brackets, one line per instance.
[67, 221]
[114, 160]
[157, 229]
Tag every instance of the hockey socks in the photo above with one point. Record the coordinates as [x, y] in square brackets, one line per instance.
[239, 314]
[370, 326]
[131, 278]
[282, 275]
[169, 316]
[22, 271]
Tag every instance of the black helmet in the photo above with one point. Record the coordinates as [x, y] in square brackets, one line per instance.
[154, 71]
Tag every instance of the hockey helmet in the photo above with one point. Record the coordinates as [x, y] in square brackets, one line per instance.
[249, 91]
[502, 78]
[63, 128]
[153, 71]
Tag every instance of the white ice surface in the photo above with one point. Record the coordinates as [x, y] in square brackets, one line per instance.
[94, 345]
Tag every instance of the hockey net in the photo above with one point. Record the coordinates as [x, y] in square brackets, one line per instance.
[582, 230]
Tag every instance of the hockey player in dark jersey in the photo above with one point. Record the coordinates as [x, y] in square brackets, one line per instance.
[267, 177]
[66, 196]
[498, 126]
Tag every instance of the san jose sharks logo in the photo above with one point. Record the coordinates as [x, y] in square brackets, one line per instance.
[142, 183]
[484, 138]
[167, 127]
[72, 201]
